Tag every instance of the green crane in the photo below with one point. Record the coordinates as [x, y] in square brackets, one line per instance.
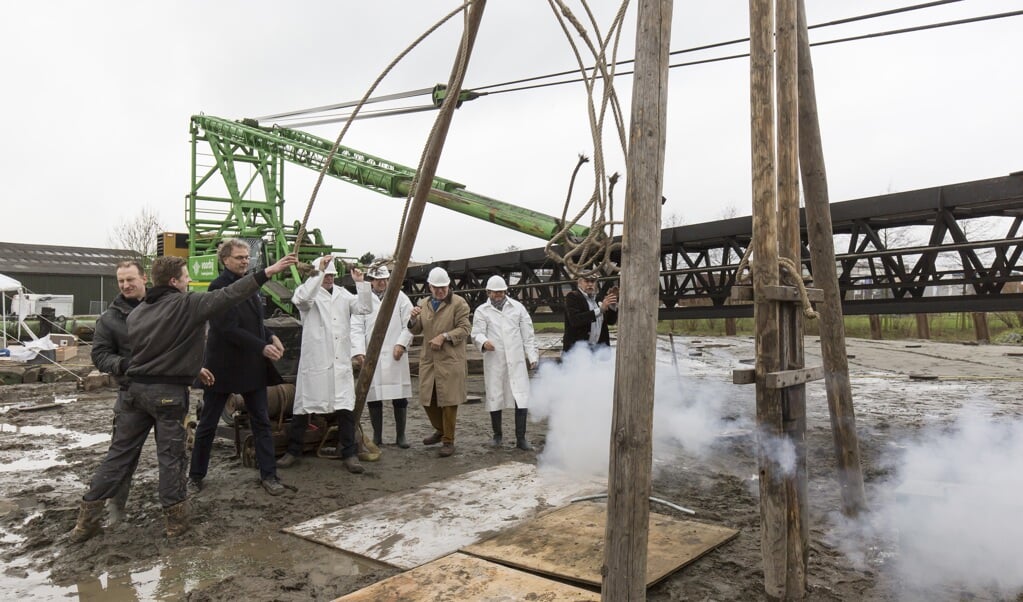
[253, 207]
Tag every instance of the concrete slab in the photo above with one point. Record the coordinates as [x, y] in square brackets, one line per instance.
[414, 528]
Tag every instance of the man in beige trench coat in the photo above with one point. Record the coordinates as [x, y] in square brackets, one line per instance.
[443, 320]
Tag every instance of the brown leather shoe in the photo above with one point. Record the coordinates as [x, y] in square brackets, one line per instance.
[446, 450]
[433, 439]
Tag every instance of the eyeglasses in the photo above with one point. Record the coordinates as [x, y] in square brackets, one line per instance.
[241, 257]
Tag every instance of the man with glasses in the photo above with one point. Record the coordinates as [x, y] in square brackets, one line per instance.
[240, 351]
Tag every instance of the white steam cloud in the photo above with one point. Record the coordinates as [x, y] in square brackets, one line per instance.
[576, 397]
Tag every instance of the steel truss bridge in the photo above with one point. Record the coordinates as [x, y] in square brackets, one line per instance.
[953, 248]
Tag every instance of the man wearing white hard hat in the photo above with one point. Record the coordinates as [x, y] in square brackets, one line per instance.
[325, 384]
[503, 331]
[443, 320]
[391, 379]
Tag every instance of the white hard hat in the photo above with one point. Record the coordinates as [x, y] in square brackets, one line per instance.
[496, 283]
[331, 268]
[379, 273]
[438, 277]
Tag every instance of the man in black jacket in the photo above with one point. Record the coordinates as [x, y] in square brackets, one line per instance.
[586, 317]
[166, 334]
[239, 352]
[111, 353]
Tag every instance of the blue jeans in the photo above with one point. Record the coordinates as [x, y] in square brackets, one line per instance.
[212, 408]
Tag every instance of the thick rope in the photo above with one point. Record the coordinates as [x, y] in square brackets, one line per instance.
[789, 273]
[459, 74]
[592, 255]
[355, 111]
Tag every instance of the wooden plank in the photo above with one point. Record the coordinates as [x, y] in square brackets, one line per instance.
[790, 378]
[744, 376]
[463, 577]
[569, 544]
[777, 293]
[419, 526]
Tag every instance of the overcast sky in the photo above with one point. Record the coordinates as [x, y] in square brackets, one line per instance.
[97, 97]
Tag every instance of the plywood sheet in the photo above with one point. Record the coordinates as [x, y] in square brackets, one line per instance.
[462, 577]
[569, 543]
[413, 528]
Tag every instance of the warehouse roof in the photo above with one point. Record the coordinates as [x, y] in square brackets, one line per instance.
[18, 258]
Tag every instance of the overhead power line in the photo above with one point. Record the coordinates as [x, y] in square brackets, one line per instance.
[325, 119]
[730, 57]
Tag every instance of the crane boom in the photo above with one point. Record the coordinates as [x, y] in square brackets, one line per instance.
[378, 174]
[247, 199]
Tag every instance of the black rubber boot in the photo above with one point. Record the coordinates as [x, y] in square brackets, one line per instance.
[400, 416]
[495, 422]
[376, 418]
[520, 430]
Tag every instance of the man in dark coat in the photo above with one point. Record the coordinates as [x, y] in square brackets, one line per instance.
[111, 353]
[586, 317]
[239, 352]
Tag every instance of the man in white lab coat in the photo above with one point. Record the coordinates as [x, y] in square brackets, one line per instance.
[325, 384]
[503, 331]
[391, 379]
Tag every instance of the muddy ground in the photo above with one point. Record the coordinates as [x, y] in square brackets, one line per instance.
[236, 550]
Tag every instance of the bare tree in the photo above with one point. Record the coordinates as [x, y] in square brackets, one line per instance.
[138, 234]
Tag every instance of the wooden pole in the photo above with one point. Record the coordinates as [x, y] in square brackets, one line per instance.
[628, 505]
[424, 181]
[923, 327]
[773, 507]
[822, 259]
[980, 327]
[875, 327]
[793, 399]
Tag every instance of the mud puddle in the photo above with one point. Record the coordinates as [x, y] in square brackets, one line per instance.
[184, 570]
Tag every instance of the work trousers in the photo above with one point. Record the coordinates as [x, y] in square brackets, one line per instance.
[442, 418]
[213, 404]
[347, 446]
[120, 407]
[141, 408]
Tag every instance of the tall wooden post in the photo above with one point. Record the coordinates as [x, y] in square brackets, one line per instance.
[773, 506]
[427, 170]
[793, 398]
[822, 259]
[628, 505]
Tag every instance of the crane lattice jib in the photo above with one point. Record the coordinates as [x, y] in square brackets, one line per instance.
[377, 174]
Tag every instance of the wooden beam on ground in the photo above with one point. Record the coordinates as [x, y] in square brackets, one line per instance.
[822, 259]
[632, 420]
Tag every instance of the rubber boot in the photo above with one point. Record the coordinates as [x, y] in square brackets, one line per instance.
[90, 517]
[177, 519]
[495, 423]
[520, 430]
[400, 416]
[116, 505]
[376, 418]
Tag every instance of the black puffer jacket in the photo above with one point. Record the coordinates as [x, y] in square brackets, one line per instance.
[111, 350]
